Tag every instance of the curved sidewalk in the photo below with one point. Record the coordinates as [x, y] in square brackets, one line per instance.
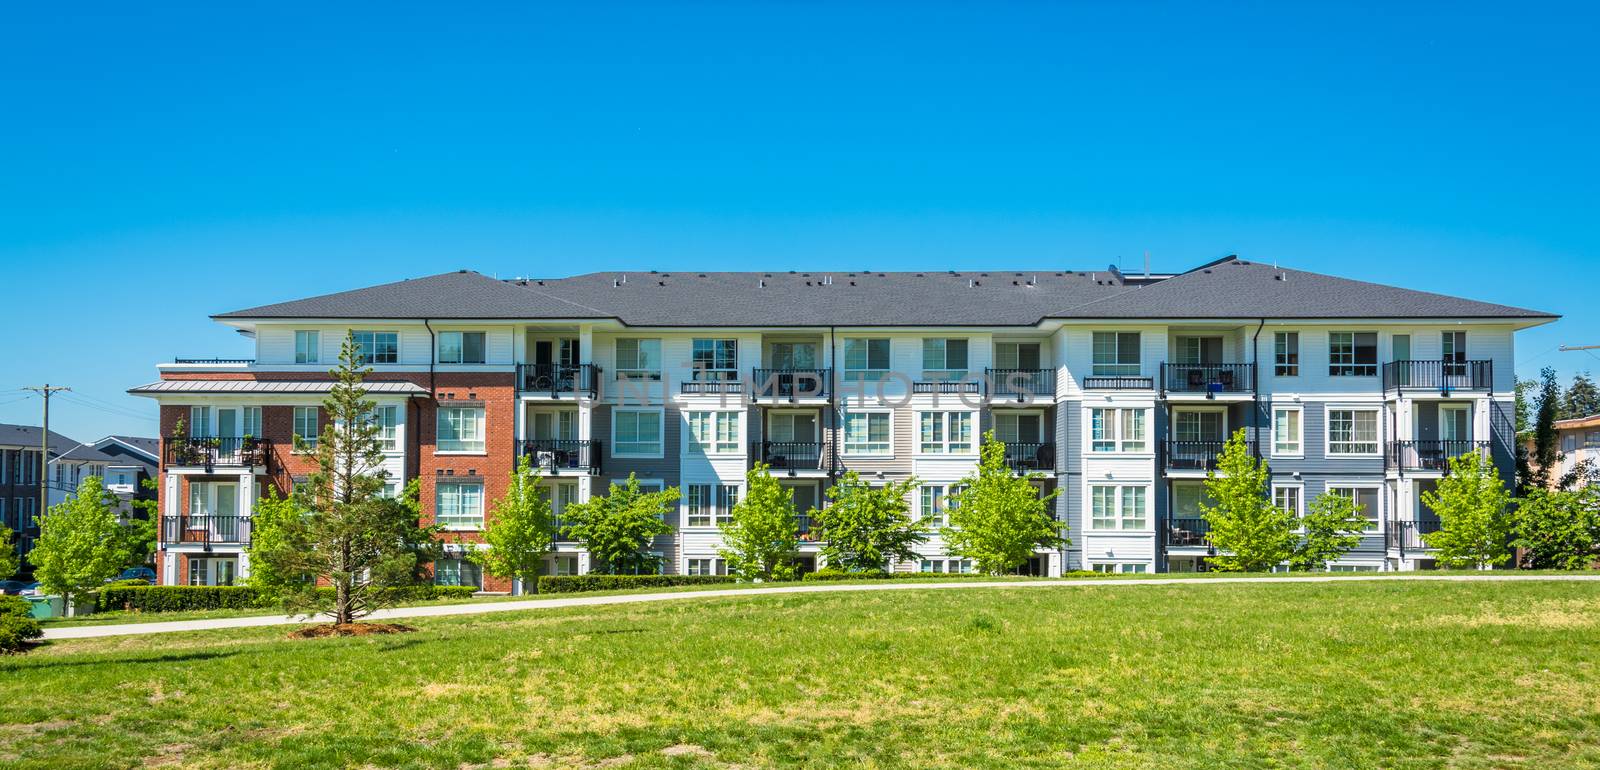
[123, 629]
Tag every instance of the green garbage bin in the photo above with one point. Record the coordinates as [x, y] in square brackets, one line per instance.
[47, 606]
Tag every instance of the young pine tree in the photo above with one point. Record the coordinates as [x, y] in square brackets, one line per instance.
[617, 528]
[519, 531]
[81, 544]
[998, 519]
[866, 527]
[1250, 533]
[762, 533]
[1474, 524]
[1333, 526]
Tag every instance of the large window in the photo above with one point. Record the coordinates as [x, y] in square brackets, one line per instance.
[377, 347]
[1117, 430]
[639, 359]
[1286, 354]
[1018, 427]
[461, 429]
[460, 505]
[1454, 347]
[305, 424]
[706, 567]
[1352, 354]
[636, 432]
[1366, 500]
[947, 566]
[867, 433]
[944, 358]
[1199, 426]
[388, 422]
[307, 346]
[458, 572]
[1017, 355]
[1187, 499]
[792, 426]
[1352, 431]
[1288, 498]
[461, 348]
[706, 505]
[1116, 354]
[935, 502]
[1116, 508]
[946, 432]
[1286, 431]
[715, 359]
[866, 359]
[715, 432]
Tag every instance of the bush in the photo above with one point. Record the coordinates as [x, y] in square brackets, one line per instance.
[126, 583]
[824, 575]
[17, 626]
[177, 598]
[568, 584]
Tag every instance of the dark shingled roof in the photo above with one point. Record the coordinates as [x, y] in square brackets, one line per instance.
[1227, 288]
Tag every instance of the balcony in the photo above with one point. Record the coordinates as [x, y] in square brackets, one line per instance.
[1407, 535]
[712, 382]
[1118, 382]
[552, 456]
[1429, 455]
[1197, 455]
[791, 384]
[206, 530]
[1026, 457]
[804, 526]
[1021, 384]
[1443, 376]
[791, 457]
[932, 382]
[215, 451]
[1187, 533]
[1209, 380]
[558, 380]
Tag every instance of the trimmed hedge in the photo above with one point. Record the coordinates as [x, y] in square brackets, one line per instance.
[834, 574]
[17, 626]
[569, 584]
[180, 598]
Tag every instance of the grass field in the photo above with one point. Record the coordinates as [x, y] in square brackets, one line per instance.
[1358, 674]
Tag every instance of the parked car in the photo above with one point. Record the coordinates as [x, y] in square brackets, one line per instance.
[138, 573]
[15, 587]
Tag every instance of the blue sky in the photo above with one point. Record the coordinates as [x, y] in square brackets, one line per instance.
[161, 162]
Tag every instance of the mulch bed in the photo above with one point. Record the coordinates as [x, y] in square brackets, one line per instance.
[349, 629]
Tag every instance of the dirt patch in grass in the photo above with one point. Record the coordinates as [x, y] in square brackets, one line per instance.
[349, 629]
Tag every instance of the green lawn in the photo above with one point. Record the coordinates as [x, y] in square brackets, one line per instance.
[1357, 674]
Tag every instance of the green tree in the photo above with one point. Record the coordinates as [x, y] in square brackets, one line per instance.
[1582, 399]
[866, 526]
[617, 528]
[367, 547]
[1249, 532]
[1474, 525]
[1524, 409]
[1558, 529]
[998, 519]
[139, 528]
[1546, 454]
[270, 519]
[519, 530]
[17, 626]
[763, 533]
[1333, 525]
[10, 561]
[81, 545]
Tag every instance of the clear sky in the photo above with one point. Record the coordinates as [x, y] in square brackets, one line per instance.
[160, 162]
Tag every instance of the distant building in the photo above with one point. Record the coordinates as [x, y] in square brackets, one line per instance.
[1579, 441]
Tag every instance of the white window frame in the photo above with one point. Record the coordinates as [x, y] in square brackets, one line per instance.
[946, 566]
[1299, 449]
[1119, 519]
[707, 432]
[944, 424]
[1012, 359]
[468, 445]
[1116, 422]
[869, 373]
[636, 372]
[1117, 367]
[1282, 365]
[704, 565]
[661, 435]
[1120, 567]
[298, 419]
[368, 359]
[1376, 517]
[1353, 363]
[940, 347]
[844, 434]
[387, 417]
[943, 500]
[460, 337]
[729, 371]
[459, 521]
[1377, 422]
[1016, 415]
[307, 346]
[1298, 493]
[774, 415]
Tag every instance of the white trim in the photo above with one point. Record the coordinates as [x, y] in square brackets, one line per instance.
[944, 420]
[844, 445]
[661, 422]
[1379, 486]
[1272, 439]
[1327, 431]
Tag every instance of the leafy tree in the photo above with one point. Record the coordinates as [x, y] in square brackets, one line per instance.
[762, 533]
[519, 530]
[615, 529]
[998, 518]
[1473, 523]
[1524, 409]
[1249, 532]
[272, 516]
[366, 546]
[1582, 399]
[140, 531]
[867, 526]
[80, 544]
[1333, 525]
[10, 561]
[1558, 529]
[1545, 452]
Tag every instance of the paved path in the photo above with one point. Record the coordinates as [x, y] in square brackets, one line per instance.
[121, 629]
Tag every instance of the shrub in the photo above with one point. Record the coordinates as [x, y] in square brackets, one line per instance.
[836, 574]
[126, 583]
[17, 626]
[177, 598]
[567, 584]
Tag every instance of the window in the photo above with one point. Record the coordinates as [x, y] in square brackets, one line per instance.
[707, 567]
[1199, 426]
[199, 422]
[460, 505]
[1113, 507]
[946, 432]
[947, 566]
[1286, 431]
[792, 426]
[1352, 568]
[715, 432]
[1352, 354]
[1366, 499]
[867, 433]
[1400, 347]
[1454, 347]
[1199, 350]
[866, 359]
[307, 344]
[1017, 355]
[1116, 354]
[252, 421]
[636, 432]
[946, 358]
[1287, 498]
[1117, 430]
[1018, 427]
[1569, 443]
[305, 425]
[1591, 440]
[1119, 568]
[701, 509]
[1187, 499]
[1286, 354]
[936, 502]
[715, 359]
[461, 348]
[1352, 431]
[378, 347]
[461, 429]
[639, 359]
[388, 421]
[457, 572]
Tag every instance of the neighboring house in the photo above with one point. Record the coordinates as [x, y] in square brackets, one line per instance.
[1120, 389]
[20, 473]
[1579, 442]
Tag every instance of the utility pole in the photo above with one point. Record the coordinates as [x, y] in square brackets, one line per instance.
[1565, 348]
[44, 390]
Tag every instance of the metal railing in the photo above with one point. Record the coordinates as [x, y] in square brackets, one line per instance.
[553, 455]
[210, 451]
[946, 386]
[1187, 533]
[710, 387]
[1019, 383]
[1407, 535]
[213, 360]
[1038, 456]
[1439, 375]
[790, 455]
[1430, 455]
[1197, 455]
[206, 529]
[804, 525]
[558, 379]
[791, 383]
[1208, 378]
[1118, 382]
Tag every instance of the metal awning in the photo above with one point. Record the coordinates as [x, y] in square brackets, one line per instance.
[270, 386]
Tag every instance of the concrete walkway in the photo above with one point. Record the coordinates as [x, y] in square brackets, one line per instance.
[122, 629]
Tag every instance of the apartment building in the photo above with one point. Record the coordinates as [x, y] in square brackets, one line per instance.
[1119, 389]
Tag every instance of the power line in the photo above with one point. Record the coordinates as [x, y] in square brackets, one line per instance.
[114, 411]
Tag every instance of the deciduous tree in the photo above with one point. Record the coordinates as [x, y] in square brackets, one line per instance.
[9, 560]
[1333, 525]
[998, 519]
[1249, 532]
[519, 530]
[1558, 529]
[617, 528]
[762, 534]
[867, 526]
[81, 545]
[1474, 524]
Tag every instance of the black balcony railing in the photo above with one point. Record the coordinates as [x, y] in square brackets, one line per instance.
[1208, 378]
[1197, 455]
[1021, 383]
[791, 384]
[1187, 533]
[791, 455]
[234, 361]
[947, 386]
[1117, 382]
[711, 387]
[211, 451]
[1429, 455]
[558, 380]
[1407, 535]
[803, 525]
[1039, 456]
[554, 455]
[206, 529]
[1438, 375]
